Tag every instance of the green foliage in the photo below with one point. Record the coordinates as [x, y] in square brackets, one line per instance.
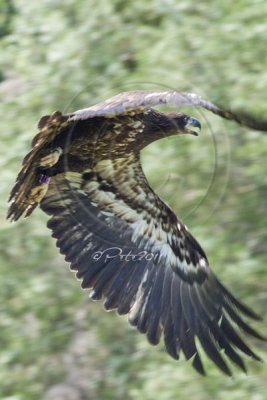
[67, 55]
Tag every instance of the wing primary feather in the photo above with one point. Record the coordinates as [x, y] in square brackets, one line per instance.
[198, 365]
[141, 320]
[154, 309]
[124, 299]
[58, 223]
[188, 330]
[127, 296]
[213, 308]
[168, 317]
[211, 349]
[166, 302]
[242, 324]
[72, 240]
[236, 339]
[221, 339]
[203, 332]
[60, 231]
[176, 309]
[117, 286]
[188, 310]
[104, 279]
[172, 342]
[242, 307]
[224, 328]
[88, 273]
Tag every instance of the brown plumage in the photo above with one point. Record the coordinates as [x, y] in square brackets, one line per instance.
[120, 238]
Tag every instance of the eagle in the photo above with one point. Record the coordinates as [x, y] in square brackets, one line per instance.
[123, 242]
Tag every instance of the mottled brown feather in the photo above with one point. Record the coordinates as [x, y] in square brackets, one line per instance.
[99, 199]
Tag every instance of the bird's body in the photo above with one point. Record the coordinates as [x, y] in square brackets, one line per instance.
[122, 240]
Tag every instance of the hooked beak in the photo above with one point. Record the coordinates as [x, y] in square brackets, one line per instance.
[193, 126]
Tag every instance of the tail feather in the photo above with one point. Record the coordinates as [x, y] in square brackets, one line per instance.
[20, 196]
[29, 188]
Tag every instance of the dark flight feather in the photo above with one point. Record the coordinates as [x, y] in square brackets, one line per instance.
[121, 240]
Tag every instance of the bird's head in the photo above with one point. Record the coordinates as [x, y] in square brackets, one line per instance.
[192, 125]
[159, 125]
[180, 123]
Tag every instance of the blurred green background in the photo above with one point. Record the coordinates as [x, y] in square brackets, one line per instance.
[55, 343]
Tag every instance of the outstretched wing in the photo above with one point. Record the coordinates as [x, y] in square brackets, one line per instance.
[139, 99]
[126, 245]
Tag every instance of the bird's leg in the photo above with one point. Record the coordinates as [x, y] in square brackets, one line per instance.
[51, 159]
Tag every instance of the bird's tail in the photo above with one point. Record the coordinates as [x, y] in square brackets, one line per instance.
[27, 193]
[32, 184]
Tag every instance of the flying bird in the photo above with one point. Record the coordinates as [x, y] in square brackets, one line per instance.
[124, 242]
